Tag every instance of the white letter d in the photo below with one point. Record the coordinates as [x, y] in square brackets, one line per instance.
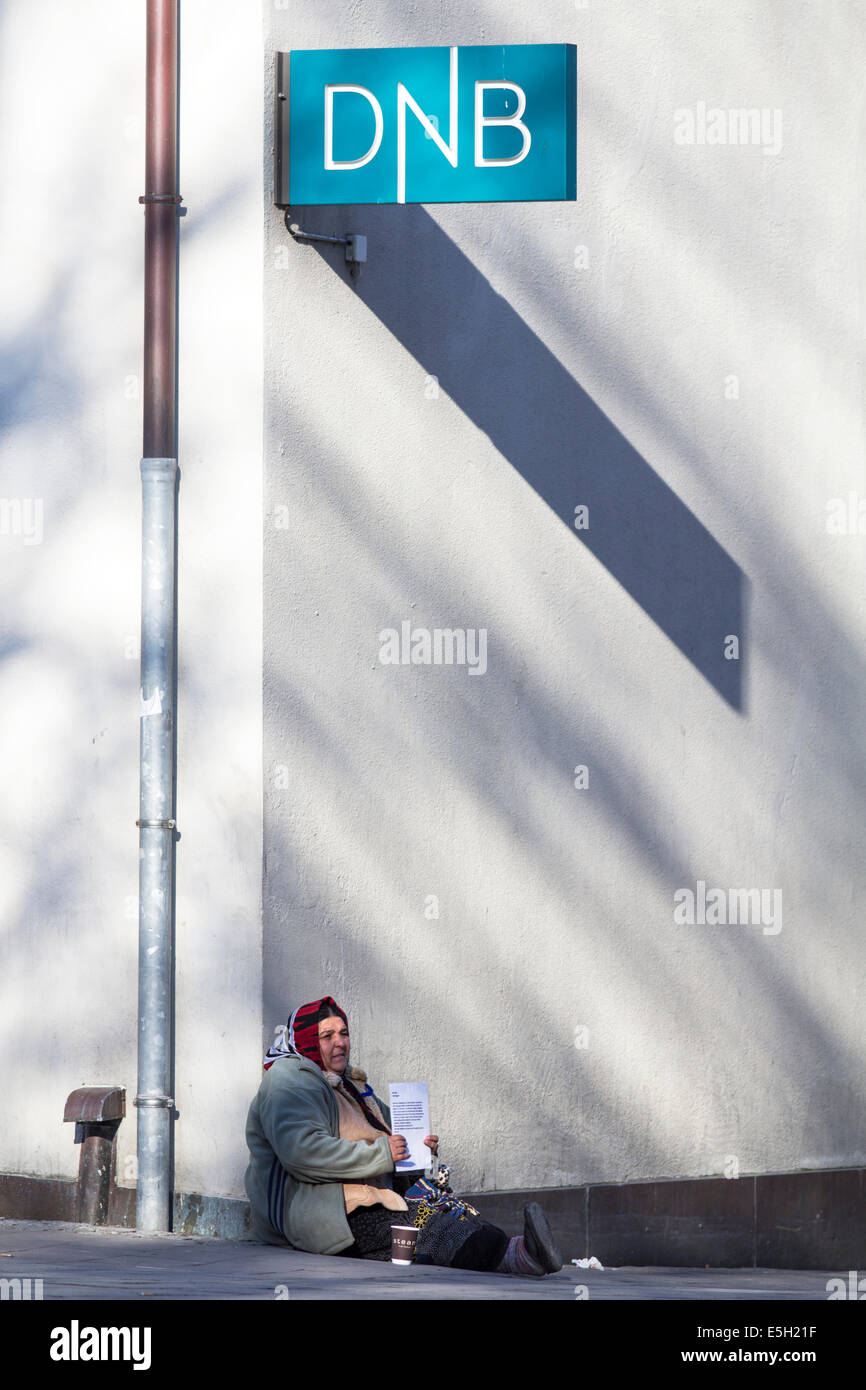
[330, 161]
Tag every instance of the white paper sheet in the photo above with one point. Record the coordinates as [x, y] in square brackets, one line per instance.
[410, 1116]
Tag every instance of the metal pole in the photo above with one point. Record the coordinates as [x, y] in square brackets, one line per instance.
[158, 626]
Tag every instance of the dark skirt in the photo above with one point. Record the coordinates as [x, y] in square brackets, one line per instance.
[443, 1240]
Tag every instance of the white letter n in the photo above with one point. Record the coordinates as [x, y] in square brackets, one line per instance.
[404, 99]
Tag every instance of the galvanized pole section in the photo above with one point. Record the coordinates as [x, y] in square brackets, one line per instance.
[158, 626]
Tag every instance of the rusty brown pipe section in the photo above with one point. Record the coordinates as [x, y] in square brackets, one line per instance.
[160, 232]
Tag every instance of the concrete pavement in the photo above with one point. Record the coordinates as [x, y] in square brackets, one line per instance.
[87, 1263]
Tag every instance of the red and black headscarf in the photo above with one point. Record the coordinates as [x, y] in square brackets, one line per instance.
[300, 1038]
[302, 1030]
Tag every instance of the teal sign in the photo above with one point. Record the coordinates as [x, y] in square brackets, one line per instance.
[427, 125]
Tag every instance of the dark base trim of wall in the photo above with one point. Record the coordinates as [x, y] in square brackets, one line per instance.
[54, 1199]
[813, 1220]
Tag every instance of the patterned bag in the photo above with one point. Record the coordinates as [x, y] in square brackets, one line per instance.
[427, 1197]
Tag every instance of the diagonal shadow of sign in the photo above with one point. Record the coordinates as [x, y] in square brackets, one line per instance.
[498, 371]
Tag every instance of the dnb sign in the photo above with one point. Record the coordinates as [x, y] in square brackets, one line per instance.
[426, 125]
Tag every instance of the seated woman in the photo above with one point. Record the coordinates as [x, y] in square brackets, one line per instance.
[322, 1176]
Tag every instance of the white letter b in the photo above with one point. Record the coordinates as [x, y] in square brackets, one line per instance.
[481, 121]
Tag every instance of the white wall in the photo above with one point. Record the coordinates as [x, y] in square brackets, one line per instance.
[558, 383]
[707, 1048]
[72, 234]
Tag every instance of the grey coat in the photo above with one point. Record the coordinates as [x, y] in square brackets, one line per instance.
[298, 1162]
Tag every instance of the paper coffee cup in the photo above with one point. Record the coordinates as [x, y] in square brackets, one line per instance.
[403, 1239]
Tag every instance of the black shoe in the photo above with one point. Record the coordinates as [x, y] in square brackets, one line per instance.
[538, 1239]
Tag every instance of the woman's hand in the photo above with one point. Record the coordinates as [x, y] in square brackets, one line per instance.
[432, 1142]
[399, 1147]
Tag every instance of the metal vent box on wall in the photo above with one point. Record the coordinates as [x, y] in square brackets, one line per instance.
[426, 125]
